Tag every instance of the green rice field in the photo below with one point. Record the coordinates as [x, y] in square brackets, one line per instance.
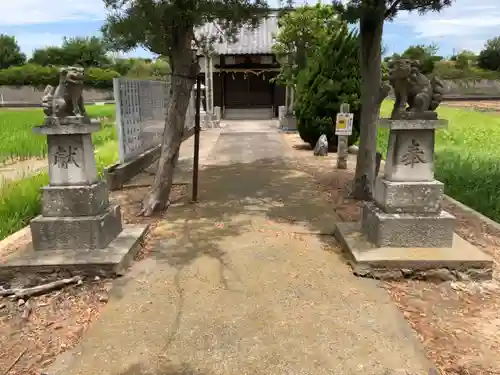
[17, 141]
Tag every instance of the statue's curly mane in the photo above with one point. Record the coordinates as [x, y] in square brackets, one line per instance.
[410, 77]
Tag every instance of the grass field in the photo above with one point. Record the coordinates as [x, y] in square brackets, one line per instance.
[467, 157]
[19, 200]
[17, 140]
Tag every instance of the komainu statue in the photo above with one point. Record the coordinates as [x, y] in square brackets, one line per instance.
[66, 99]
[423, 95]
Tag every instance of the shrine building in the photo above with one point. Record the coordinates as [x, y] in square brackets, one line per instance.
[238, 77]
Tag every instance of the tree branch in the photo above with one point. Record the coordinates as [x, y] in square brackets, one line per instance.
[392, 9]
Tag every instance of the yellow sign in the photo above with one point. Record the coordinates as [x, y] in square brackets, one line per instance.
[343, 124]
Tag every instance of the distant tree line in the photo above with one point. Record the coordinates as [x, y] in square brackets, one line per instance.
[462, 65]
[91, 53]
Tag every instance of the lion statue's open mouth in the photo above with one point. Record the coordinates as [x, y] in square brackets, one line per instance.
[75, 75]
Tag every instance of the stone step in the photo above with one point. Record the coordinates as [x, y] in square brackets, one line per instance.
[76, 233]
[248, 113]
[407, 230]
[417, 197]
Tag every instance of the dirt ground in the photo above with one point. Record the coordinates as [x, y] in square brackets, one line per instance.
[476, 105]
[457, 322]
[33, 333]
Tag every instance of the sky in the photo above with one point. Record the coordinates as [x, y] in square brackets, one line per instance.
[465, 25]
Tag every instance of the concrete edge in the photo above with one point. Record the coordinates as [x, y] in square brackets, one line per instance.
[454, 263]
[135, 247]
[118, 174]
[485, 220]
[110, 262]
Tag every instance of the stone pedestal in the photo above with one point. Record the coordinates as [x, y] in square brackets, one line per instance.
[281, 112]
[76, 213]
[407, 208]
[78, 231]
[405, 221]
[288, 122]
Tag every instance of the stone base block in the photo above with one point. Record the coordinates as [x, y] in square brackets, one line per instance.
[407, 230]
[409, 197]
[76, 233]
[461, 261]
[288, 123]
[84, 200]
[108, 262]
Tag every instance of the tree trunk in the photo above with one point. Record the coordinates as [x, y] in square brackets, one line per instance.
[371, 27]
[184, 70]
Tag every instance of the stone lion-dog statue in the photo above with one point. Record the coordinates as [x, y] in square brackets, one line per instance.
[423, 95]
[66, 99]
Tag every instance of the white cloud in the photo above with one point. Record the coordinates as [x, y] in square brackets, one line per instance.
[23, 12]
[465, 25]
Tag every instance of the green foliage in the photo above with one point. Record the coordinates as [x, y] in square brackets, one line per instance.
[489, 57]
[38, 76]
[10, 53]
[166, 27]
[424, 54]
[85, 52]
[466, 157]
[355, 10]
[100, 78]
[332, 78]
[464, 60]
[301, 32]
[142, 69]
[450, 70]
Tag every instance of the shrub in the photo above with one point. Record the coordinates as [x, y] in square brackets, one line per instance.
[39, 76]
[449, 70]
[331, 78]
[489, 57]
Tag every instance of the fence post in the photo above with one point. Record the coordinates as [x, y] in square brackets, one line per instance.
[196, 156]
[119, 120]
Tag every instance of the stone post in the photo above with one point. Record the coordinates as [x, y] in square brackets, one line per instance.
[342, 143]
[218, 113]
[76, 212]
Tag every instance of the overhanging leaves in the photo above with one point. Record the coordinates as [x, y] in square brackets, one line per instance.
[157, 25]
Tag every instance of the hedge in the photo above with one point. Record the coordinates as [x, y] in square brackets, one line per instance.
[331, 78]
[40, 76]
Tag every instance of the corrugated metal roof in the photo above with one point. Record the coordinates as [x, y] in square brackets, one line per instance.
[257, 41]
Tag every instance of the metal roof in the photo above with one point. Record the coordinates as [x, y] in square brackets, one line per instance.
[257, 41]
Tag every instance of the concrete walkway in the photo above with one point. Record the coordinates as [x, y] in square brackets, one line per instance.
[248, 281]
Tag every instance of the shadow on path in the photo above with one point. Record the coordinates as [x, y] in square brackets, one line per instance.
[240, 283]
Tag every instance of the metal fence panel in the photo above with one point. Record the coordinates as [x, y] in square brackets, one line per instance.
[140, 114]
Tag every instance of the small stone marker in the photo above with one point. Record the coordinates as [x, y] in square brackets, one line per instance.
[404, 232]
[321, 148]
[343, 129]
